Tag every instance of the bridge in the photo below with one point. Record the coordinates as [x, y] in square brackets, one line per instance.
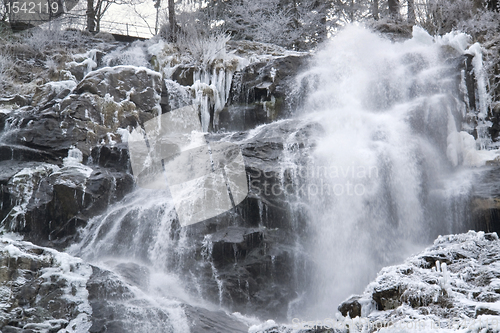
[123, 32]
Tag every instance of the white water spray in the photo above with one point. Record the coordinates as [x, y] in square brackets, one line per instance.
[379, 186]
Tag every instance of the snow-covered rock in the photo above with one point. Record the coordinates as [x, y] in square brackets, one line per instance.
[42, 290]
[140, 85]
[452, 285]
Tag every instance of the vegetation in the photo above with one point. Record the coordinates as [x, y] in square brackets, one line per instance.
[302, 24]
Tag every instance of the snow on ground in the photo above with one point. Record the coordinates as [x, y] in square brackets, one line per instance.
[454, 285]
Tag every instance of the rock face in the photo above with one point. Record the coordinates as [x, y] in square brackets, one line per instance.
[42, 290]
[253, 248]
[260, 93]
[47, 203]
[107, 99]
[46, 199]
[455, 282]
[141, 86]
[485, 202]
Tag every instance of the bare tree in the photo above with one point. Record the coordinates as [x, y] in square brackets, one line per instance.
[411, 11]
[96, 10]
[393, 8]
[171, 21]
[347, 11]
[375, 10]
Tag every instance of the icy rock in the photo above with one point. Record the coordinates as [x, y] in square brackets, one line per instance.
[258, 93]
[41, 290]
[455, 278]
[84, 63]
[52, 90]
[82, 121]
[351, 307]
[139, 85]
[49, 209]
[18, 100]
[184, 75]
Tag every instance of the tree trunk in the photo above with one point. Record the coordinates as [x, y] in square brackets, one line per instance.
[411, 12]
[90, 16]
[172, 36]
[98, 16]
[393, 8]
[351, 11]
[375, 10]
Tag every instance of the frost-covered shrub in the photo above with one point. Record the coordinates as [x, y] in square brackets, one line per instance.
[44, 38]
[470, 16]
[205, 44]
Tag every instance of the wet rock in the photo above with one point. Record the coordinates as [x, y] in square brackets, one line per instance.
[184, 75]
[250, 249]
[141, 86]
[3, 120]
[485, 201]
[259, 93]
[117, 308]
[54, 133]
[457, 288]
[22, 153]
[41, 290]
[204, 321]
[112, 156]
[55, 201]
[351, 307]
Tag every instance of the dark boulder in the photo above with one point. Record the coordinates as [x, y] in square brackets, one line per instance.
[141, 86]
[184, 75]
[260, 93]
[47, 204]
[41, 288]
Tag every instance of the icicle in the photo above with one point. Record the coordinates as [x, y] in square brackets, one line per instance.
[482, 96]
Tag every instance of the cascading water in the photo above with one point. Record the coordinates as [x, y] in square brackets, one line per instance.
[387, 174]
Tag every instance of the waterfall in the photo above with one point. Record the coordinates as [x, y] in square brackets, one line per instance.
[390, 173]
[386, 169]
